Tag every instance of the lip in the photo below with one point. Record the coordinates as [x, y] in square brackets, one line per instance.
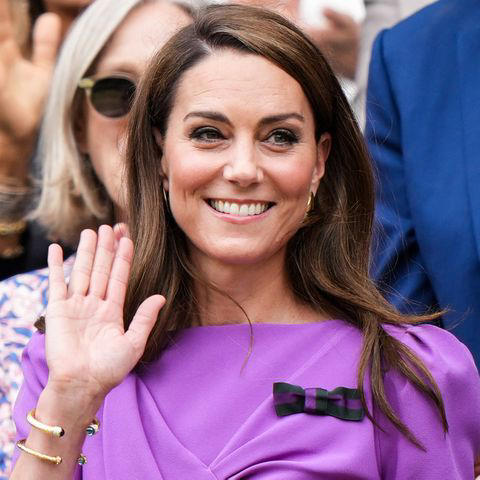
[237, 219]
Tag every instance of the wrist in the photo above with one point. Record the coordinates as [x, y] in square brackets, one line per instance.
[74, 406]
[15, 154]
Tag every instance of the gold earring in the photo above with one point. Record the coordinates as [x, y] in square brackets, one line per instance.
[310, 203]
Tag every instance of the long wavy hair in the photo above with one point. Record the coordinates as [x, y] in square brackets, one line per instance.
[327, 260]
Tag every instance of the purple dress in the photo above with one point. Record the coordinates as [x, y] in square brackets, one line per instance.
[197, 415]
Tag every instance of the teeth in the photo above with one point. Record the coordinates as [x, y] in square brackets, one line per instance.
[242, 210]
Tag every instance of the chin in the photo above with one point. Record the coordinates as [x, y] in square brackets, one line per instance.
[236, 253]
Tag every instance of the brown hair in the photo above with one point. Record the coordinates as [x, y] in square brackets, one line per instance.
[328, 259]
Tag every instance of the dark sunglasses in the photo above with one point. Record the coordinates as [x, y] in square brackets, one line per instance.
[110, 96]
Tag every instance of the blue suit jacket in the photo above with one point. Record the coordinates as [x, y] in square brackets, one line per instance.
[423, 130]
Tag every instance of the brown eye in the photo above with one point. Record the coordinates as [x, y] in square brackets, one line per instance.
[206, 134]
[282, 137]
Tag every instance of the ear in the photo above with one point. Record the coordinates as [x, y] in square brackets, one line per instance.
[323, 150]
[159, 142]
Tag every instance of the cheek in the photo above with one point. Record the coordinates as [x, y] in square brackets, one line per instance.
[294, 178]
[105, 147]
[189, 172]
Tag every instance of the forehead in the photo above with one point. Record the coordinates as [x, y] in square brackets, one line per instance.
[243, 82]
[145, 29]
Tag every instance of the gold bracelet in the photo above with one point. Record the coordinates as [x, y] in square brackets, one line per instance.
[56, 430]
[12, 228]
[81, 460]
[46, 458]
[8, 253]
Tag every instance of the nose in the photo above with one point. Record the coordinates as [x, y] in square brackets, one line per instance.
[242, 167]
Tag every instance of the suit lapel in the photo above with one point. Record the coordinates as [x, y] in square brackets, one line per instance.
[468, 51]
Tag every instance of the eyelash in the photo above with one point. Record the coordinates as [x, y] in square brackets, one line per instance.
[289, 137]
[198, 132]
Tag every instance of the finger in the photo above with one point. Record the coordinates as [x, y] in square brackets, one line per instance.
[117, 285]
[120, 230]
[82, 268]
[6, 27]
[46, 40]
[102, 265]
[143, 322]
[56, 277]
[338, 19]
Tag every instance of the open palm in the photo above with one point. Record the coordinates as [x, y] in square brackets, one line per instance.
[24, 83]
[86, 344]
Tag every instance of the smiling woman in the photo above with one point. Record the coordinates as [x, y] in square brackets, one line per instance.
[243, 162]
[271, 354]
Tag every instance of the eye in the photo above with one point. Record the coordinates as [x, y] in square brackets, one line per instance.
[282, 137]
[206, 135]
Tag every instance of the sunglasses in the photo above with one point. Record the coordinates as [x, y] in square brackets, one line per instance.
[110, 96]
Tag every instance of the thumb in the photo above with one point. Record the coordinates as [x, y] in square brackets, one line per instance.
[46, 40]
[143, 322]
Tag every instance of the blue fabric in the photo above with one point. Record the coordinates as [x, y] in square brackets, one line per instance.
[423, 131]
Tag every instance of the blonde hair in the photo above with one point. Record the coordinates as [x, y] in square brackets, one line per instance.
[72, 198]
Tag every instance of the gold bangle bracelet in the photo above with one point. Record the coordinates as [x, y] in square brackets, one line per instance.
[9, 253]
[56, 430]
[12, 228]
[41, 456]
[81, 460]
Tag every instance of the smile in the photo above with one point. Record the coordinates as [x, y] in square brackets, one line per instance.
[239, 209]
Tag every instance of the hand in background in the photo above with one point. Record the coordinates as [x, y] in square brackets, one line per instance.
[87, 349]
[24, 83]
[339, 41]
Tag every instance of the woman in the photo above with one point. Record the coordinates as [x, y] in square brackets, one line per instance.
[250, 200]
[80, 150]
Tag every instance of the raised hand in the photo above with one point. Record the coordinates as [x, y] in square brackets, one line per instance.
[24, 83]
[339, 41]
[87, 348]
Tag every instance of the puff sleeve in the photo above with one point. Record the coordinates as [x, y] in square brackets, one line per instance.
[448, 455]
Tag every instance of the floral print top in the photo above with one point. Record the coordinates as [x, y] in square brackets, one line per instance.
[23, 298]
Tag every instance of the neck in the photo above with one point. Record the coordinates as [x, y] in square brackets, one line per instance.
[262, 290]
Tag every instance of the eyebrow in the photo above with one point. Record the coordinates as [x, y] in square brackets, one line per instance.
[220, 117]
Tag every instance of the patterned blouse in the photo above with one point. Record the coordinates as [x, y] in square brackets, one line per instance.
[23, 298]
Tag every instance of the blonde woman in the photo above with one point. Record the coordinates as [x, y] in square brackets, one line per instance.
[80, 154]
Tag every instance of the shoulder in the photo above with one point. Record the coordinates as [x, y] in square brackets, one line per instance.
[430, 341]
[453, 369]
[444, 19]
[441, 351]
[22, 295]
[26, 295]
[449, 454]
